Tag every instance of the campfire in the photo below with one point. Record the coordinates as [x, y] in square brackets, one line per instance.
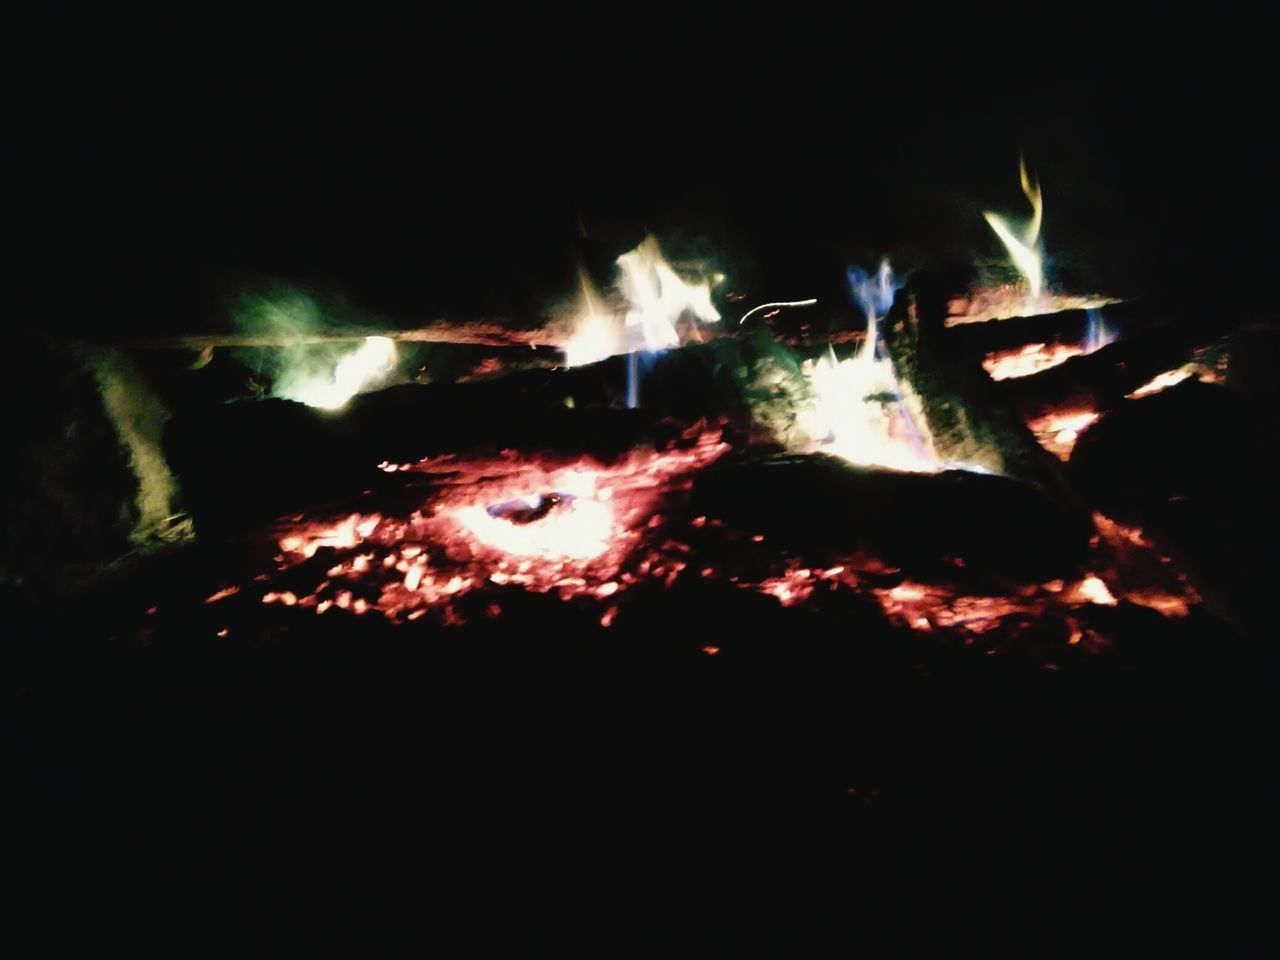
[912, 450]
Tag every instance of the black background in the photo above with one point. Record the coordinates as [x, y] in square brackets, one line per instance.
[450, 164]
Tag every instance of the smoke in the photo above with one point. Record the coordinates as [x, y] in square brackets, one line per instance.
[139, 416]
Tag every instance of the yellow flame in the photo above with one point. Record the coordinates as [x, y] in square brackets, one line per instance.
[1024, 251]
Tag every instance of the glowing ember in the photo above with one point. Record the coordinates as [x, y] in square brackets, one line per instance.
[1032, 358]
[1161, 382]
[1134, 573]
[489, 523]
[1200, 369]
[581, 531]
[1035, 357]
[1058, 432]
[795, 586]
[1011, 300]
[924, 607]
[1092, 589]
[1141, 574]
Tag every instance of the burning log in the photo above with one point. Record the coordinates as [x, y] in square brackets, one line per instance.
[241, 463]
[470, 332]
[1102, 379]
[975, 340]
[968, 418]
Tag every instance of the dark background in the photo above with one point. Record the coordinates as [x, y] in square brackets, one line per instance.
[450, 165]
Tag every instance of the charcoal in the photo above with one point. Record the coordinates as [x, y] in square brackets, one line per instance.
[1191, 441]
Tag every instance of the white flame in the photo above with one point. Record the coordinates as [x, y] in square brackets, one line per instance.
[594, 338]
[844, 421]
[366, 366]
[656, 298]
[1024, 250]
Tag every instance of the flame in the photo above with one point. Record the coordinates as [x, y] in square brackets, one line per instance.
[656, 297]
[1023, 250]
[847, 418]
[594, 338]
[366, 366]
[857, 412]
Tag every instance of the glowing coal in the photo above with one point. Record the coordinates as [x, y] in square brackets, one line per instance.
[1036, 357]
[577, 527]
[1058, 432]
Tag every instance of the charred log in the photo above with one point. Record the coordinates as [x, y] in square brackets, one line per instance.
[481, 332]
[977, 339]
[1189, 467]
[921, 523]
[968, 418]
[1101, 379]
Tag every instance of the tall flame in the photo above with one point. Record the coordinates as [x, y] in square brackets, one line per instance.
[1024, 250]
[857, 411]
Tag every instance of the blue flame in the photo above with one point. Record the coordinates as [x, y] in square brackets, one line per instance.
[639, 362]
[633, 381]
[873, 292]
[1097, 333]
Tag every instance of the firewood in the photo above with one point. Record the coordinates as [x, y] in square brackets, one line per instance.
[1100, 380]
[480, 332]
[970, 420]
[921, 523]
